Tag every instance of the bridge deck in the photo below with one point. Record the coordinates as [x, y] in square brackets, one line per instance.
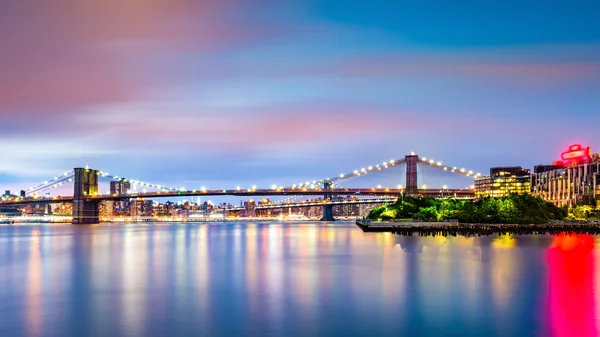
[245, 193]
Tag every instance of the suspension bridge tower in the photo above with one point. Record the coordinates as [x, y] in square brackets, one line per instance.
[411, 174]
[327, 208]
[85, 209]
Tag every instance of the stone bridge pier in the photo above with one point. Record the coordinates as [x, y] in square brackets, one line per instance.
[85, 209]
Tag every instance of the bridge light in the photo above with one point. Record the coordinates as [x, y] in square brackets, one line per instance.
[378, 186]
[462, 170]
[370, 168]
[472, 187]
[273, 187]
[439, 163]
[203, 189]
[399, 186]
[445, 169]
[253, 187]
[431, 161]
[392, 161]
[445, 187]
[45, 183]
[237, 188]
[342, 175]
[424, 159]
[424, 186]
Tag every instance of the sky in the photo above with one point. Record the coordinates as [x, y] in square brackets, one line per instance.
[221, 93]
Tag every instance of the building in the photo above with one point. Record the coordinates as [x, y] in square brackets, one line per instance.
[503, 181]
[120, 187]
[141, 207]
[570, 181]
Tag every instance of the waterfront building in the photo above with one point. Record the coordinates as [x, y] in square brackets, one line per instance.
[570, 181]
[503, 181]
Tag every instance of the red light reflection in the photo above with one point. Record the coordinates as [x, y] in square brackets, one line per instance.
[571, 286]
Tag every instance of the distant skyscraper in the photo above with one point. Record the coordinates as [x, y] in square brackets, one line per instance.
[120, 187]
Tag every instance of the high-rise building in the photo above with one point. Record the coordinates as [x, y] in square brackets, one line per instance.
[503, 181]
[120, 187]
[139, 207]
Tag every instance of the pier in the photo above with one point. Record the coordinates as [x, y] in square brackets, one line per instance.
[455, 228]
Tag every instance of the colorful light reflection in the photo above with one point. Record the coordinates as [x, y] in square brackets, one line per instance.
[571, 286]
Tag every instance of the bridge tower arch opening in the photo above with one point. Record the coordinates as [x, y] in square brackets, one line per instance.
[85, 209]
[327, 208]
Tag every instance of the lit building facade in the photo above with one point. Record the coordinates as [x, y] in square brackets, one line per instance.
[503, 181]
[570, 181]
[120, 187]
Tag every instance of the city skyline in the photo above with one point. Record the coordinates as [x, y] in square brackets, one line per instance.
[226, 93]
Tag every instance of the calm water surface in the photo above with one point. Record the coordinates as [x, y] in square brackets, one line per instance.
[290, 279]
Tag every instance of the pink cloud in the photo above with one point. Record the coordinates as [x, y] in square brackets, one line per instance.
[69, 53]
[223, 130]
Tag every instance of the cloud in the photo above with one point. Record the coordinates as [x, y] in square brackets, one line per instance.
[47, 156]
[529, 64]
[67, 54]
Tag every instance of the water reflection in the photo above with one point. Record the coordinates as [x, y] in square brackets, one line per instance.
[290, 279]
[571, 286]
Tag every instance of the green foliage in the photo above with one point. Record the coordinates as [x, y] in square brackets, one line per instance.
[584, 212]
[515, 209]
[427, 213]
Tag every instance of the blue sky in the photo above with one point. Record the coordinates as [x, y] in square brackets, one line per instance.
[226, 93]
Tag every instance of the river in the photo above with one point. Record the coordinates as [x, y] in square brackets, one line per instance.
[291, 279]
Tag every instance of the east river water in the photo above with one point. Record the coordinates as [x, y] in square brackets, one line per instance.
[292, 279]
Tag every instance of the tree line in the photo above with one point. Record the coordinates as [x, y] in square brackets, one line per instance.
[511, 209]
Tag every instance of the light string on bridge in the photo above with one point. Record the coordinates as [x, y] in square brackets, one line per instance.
[52, 183]
[454, 169]
[137, 182]
[388, 165]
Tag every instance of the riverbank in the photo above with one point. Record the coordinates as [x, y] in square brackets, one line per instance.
[455, 228]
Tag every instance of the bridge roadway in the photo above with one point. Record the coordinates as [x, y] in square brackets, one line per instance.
[463, 193]
[321, 203]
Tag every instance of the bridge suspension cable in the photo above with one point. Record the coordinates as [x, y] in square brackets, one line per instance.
[387, 165]
[137, 182]
[51, 183]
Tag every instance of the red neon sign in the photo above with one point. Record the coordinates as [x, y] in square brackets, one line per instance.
[575, 155]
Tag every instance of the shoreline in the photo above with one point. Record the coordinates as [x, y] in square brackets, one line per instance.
[465, 229]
